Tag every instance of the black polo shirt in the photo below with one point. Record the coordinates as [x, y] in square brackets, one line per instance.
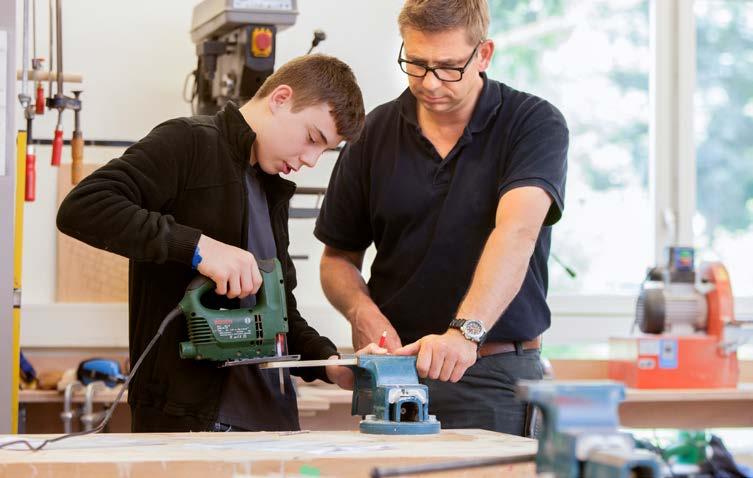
[429, 217]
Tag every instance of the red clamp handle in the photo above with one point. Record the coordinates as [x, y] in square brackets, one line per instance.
[57, 147]
[30, 192]
[40, 100]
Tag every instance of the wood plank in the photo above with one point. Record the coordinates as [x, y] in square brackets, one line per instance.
[84, 273]
[264, 454]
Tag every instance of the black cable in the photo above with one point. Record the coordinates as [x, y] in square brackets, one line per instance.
[168, 318]
[569, 270]
[658, 451]
[319, 36]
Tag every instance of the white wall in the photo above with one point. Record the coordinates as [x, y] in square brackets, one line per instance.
[134, 57]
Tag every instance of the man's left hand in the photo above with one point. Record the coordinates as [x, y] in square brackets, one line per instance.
[444, 357]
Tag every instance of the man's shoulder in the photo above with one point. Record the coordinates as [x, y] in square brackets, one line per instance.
[528, 105]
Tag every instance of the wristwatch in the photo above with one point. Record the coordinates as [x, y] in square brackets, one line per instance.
[472, 330]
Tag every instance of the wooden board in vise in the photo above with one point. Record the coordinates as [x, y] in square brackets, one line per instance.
[84, 273]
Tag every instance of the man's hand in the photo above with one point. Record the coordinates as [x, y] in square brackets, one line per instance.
[445, 357]
[343, 376]
[367, 325]
[233, 269]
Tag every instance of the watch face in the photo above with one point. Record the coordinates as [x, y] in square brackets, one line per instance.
[473, 328]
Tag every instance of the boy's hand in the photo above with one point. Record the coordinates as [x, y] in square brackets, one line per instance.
[233, 269]
[343, 376]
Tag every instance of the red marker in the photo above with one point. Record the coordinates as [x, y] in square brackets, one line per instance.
[383, 339]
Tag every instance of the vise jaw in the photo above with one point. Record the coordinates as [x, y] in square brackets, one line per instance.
[388, 396]
[579, 436]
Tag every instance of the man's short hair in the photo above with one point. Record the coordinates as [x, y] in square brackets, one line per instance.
[435, 16]
[317, 79]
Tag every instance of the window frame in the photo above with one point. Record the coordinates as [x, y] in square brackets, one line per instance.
[672, 173]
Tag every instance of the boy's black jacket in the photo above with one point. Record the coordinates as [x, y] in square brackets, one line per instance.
[184, 179]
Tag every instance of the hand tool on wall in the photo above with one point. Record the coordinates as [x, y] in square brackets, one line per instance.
[77, 145]
[28, 108]
[57, 142]
[690, 333]
[50, 55]
[60, 102]
[36, 65]
[39, 100]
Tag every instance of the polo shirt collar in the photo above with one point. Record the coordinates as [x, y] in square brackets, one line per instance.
[487, 106]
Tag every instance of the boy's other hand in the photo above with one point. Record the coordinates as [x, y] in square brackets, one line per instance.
[343, 376]
[233, 269]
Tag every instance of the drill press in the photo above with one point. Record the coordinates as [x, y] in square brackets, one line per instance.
[236, 46]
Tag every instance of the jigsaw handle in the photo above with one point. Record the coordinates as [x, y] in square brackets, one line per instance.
[270, 270]
[207, 284]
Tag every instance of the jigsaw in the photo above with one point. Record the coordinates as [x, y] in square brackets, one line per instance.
[386, 391]
[238, 336]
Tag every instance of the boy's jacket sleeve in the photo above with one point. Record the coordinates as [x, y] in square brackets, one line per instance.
[117, 207]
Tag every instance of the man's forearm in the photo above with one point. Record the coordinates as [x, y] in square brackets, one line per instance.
[499, 275]
[343, 284]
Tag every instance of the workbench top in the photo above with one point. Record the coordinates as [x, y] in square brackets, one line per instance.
[219, 455]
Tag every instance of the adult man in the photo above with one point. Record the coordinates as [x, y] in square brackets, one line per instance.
[206, 192]
[453, 182]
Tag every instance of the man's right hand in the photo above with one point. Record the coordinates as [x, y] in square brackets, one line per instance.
[233, 269]
[367, 325]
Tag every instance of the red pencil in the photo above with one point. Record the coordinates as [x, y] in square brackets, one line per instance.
[383, 339]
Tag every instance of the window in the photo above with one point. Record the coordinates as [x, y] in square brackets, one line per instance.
[723, 224]
[591, 59]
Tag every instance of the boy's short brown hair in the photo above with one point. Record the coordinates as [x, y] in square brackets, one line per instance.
[434, 16]
[317, 79]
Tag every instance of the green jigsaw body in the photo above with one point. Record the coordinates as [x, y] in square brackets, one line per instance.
[238, 334]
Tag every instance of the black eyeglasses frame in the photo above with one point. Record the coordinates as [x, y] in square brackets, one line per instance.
[401, 61]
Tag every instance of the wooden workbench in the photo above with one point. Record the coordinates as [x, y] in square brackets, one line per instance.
[219, 455]
[672, 408]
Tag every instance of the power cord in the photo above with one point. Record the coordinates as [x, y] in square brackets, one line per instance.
[658, 450]
[165, 322]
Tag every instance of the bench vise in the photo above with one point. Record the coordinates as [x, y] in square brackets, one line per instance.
[386, 393]
[389, 398]
[579, 436]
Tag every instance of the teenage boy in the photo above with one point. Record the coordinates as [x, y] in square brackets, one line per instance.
[204, 193]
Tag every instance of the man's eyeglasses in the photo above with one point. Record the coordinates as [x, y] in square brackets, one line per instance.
[443, 73]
